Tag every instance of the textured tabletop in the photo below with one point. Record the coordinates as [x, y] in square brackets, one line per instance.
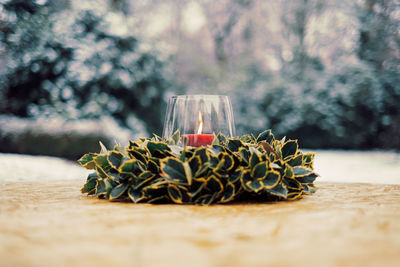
[52, 224]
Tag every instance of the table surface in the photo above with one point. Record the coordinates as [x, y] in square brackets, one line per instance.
[51, 224]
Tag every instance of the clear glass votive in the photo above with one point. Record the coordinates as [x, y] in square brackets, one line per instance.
[199, 118]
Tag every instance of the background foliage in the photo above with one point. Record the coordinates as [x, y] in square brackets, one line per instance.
[326, 72]
[73, 63]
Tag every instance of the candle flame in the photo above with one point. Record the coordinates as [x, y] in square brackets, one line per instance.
[200, 124]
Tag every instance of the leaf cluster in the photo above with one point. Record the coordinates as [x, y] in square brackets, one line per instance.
[153, 170]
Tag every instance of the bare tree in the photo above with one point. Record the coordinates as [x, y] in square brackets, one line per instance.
[295, 19]
[222, 17]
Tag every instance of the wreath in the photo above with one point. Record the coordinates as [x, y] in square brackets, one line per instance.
[155, 170]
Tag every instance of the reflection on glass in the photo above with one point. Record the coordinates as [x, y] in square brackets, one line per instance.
[199, 118]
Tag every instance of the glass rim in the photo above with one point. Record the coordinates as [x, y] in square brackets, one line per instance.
[197, 95]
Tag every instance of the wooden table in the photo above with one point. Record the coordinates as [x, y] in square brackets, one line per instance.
[52, 224]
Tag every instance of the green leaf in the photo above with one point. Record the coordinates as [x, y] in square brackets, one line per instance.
[309, 159]
[221, 138]
[235, 176]
[137, 153]
[289, 148]
[196, 188]
[136, 195]
[185, 194]
[214, 184]
[158, 149]
[308, 179]
[145, 175]
[259, 171]
[275, 166]
[130, 167]
[176, 137]
[228, 163]
[87, 161]
[289, 171]
[100, 188]
[296, 161]
[220, 164]
[185, 141]
[255, 185]
[183, 155]
[244, 154]
[188, 173]
[229, 193]
[308, 189]
[132, 144]
[256, 151]
[100, 172]
[142, 150]
[292, 184]
[203, 167]
[272, 179]
[265, 136]
[194, 163]
[176, 150]
[213, 161]
[160, 199]
[103, 149]
[216, 149]
[215, 142]
[235, 144]
[118, 147]
[90, 184]
[203, 154]
[236, 162]
[176, 171]
[278, 151]
[115, 159]
[174, 193]
[279, 190]
[102, 162]
[244, 179]
[153, 167]
[206, 199]
[246, 138]
[115, 177]
[108, 187]
[93, 175]
[156, 189]
[277, 146]
[143, 181]
[142, 166]
[118, 191]
[294, 195]
[254, 160]
[210, 200]
[300, 171]
[156, 137]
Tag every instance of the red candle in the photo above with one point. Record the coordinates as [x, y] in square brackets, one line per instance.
[199, 139]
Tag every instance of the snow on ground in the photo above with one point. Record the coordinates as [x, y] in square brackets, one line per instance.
[333, 166]
[14, 167]
[358, 167]
[106, 126]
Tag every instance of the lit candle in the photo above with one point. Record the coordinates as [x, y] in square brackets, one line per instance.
[199, 139]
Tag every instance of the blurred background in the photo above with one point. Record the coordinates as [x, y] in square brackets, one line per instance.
[76, 72]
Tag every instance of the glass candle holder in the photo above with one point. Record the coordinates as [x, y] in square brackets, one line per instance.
[199, 118]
